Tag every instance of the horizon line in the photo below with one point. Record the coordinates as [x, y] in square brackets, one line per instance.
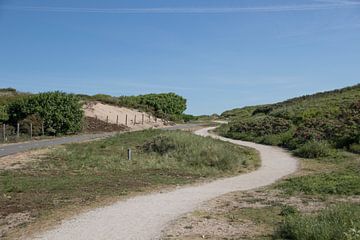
[187, 10]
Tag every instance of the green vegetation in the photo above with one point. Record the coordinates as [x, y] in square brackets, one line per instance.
[60, 112]
[313, 149]
[8, 95]
[84, 172]
[311, 125]
[341, 222]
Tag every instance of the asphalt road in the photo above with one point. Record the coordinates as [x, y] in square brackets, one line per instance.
[9, 149]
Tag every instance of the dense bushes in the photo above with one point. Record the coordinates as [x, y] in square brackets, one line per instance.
[261, 126]
[160, 104]
[61, 113]
[313, 149]
[341, 222]
[310, 125]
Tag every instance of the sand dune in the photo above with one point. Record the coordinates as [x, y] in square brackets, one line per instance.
[134, 119]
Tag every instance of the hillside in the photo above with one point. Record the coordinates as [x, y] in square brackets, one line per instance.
[319, 121]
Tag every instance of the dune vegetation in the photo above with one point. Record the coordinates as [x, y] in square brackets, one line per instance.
[309, 125]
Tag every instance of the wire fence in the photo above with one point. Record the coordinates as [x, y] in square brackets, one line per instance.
[34, 130]
[11, 133]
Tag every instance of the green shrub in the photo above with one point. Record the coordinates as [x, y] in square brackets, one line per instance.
[159, 144]
[341, 222]
[162, 105]
[262, 109]
[61, 112]
[313, 149]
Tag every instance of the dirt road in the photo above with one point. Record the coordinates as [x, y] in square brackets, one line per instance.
[144, 217]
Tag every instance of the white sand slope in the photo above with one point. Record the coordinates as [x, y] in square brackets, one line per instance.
[144, 217]
[134, 119]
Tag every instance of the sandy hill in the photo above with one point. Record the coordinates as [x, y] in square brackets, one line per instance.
[134, 119]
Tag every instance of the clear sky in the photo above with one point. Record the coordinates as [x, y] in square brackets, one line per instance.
[218, 54]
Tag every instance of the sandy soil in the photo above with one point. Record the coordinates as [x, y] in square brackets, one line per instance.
[21, 159]
[136, 120]
[145, 217]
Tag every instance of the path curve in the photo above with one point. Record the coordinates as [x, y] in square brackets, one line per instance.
[144, 217]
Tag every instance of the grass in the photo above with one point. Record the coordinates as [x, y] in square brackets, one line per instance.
[78, 174]
[342, 179]
[341, 222]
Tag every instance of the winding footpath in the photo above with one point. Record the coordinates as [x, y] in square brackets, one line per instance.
[144, 217]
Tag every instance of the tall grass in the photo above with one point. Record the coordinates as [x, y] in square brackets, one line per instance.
[341, 222]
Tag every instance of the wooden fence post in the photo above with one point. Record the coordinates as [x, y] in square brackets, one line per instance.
[4, 132]
[135, 119]
[42, 129]
[107, 119]
[31, 133]
[18, 130]
[129, 154]
[117, 119]
[126, 120]
[142, 120]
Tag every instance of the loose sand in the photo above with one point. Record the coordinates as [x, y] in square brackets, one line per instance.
[136, 120]
[144, 217]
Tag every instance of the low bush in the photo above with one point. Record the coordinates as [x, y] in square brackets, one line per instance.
[160, 145]
[313, 149]
[341, 222]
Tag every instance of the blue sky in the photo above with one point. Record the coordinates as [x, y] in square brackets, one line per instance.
[218, 54]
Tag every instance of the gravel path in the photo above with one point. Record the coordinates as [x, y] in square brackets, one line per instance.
[144, 217]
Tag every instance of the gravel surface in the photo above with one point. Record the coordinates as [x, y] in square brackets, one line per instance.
[144, 217]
